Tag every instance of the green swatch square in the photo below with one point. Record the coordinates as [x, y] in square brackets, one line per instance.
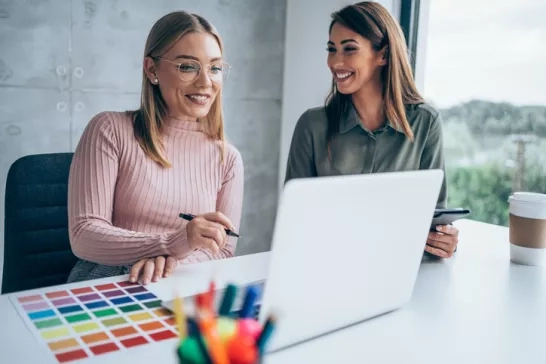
[105, 312]
[153, 304]
[77, 318]
[114, 321]
[130, 308]
[48, 323]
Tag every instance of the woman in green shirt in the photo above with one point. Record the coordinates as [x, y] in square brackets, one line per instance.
[374, 119]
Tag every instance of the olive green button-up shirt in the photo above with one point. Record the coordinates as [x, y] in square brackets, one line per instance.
[357, 150]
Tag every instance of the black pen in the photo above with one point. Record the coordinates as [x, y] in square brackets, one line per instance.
[189, 217]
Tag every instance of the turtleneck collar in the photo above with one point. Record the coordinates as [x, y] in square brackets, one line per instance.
[183, 124]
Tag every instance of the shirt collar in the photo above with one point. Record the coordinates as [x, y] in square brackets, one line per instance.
[350, 120]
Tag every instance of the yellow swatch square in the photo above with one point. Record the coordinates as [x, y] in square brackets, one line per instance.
[140, 316]
[52, 334]
[85, 327]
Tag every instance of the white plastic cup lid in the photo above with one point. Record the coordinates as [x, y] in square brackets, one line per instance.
[530, 197]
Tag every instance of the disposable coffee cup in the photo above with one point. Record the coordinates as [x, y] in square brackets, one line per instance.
[527, 228]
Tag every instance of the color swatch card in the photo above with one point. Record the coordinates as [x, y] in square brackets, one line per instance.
[95, 320]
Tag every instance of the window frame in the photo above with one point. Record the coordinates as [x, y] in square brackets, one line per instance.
[413, 18]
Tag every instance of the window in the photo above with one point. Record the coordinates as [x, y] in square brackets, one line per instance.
[484, 69]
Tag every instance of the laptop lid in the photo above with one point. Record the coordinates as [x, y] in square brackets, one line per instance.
[345, 249]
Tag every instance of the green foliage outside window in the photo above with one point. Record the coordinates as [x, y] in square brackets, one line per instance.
[481, 157]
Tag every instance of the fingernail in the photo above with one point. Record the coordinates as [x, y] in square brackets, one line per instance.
[439, 228]
[146, 281]
[132, 279]
[156, 278]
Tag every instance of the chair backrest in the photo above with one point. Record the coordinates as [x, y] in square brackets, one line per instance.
[37, 249]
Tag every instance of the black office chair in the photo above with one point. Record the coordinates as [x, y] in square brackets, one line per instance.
[37, 249]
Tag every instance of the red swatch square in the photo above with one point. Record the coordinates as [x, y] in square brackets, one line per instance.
[104, 287]
[104, 348]
[163, 335]
[126, 284]
[134, 341]
[71, 355]
[82, 290]
[57, 294]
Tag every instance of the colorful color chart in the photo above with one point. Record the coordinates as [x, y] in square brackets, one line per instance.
[95, 320]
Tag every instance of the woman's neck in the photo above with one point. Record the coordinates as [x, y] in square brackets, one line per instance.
[368, 102]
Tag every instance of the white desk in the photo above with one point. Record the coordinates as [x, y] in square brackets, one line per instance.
[474, 308]
[477, 307]
[18, 346]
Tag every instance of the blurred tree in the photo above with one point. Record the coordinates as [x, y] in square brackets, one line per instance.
[481, 157]
[497, 118]
[485, 189]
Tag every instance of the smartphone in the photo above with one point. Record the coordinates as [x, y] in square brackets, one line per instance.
[448, 216]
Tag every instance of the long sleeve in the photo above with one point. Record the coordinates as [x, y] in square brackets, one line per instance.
[230, 203]
[301, 163]
[433, 156]
[91, 187]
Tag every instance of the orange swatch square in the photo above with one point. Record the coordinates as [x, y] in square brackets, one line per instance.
[124, 331]
[170, 321]
[93, 338]
[63, 344]
[57, 294]
[104, 287]
[161, 312]
[30, 298]
[82, 290]
[149, 326]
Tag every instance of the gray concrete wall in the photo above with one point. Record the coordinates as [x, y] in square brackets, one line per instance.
[62, 61]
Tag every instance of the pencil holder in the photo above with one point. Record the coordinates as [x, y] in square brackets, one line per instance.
[223, 336]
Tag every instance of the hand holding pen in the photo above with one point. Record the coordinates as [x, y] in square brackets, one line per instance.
[209, 230]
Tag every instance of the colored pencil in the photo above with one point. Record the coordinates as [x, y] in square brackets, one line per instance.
[180, 318]
[269, 326]
[227, 301]
[208, 329]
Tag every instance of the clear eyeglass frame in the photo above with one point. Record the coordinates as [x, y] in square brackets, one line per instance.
[189, 76]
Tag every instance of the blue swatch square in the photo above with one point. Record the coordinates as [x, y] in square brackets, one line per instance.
[69, 309]
[121, 300]
[145, 296]
[41, 314]
[96, 304]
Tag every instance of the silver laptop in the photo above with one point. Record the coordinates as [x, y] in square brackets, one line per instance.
[345, 249]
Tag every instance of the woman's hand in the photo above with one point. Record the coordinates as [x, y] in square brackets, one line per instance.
[152, 269]
[444, 242]
[208, 231]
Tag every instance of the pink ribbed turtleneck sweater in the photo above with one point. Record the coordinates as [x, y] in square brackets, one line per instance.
[122, 206]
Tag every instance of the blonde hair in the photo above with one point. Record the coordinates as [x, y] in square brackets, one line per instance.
[372, 21]
[149, 119]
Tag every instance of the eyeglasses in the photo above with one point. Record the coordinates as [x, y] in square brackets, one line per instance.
[189, 70]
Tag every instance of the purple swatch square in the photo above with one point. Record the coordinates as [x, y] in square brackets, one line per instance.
[36, 306]
[63, 301]
[136, 289]
[113, 293]
[89, 297]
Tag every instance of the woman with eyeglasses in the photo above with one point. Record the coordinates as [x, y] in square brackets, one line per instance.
[374, 119]
[134, 172]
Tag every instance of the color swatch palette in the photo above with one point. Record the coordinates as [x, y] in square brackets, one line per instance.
[95, 320]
